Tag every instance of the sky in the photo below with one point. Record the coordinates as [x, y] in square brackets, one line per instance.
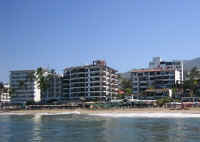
[126, 33]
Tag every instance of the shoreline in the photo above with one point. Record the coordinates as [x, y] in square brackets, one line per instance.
[104, 111]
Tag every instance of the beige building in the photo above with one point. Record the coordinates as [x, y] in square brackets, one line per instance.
[96, 80]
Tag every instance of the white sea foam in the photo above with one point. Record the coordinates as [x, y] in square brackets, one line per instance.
[116, 115]
[60, 113]
[9, 113]
[149, 115]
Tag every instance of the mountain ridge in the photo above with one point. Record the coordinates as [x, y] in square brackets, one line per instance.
[189, 64]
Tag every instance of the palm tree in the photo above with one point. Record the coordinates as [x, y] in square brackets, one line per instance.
[43, 78]
[40, 78]
[53, 71]
[11, 92]
[1, 85]
[1, 89]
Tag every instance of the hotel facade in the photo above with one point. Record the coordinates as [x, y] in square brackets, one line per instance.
[144, 79]
[157, 62]
[96, 80]
[25, 88]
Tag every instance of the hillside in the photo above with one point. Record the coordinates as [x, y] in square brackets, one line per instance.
[126, 75]
[189, 64]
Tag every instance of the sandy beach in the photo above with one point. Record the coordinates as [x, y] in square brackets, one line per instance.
[108, 111]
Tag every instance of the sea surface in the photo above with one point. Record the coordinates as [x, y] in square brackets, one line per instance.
[86, 128]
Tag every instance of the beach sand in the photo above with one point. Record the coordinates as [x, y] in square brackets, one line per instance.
[103, 111]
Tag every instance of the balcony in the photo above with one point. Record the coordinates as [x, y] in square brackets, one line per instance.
[143, 86]
[96, 71]
[78, 73]
[114, 76]
[78, 90]
[143, 81]
[78, 84]
[94, 68]
[94, 84]
[95, 80]
[79, 80]
[95, 90]
[74, 87]
[95, 75]
[76, 78]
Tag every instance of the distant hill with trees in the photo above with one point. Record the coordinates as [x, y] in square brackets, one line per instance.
[190, 64]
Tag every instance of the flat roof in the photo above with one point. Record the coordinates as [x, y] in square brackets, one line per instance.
[89, 66]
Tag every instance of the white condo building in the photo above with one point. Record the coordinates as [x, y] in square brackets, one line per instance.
[144, 79]
[90, 81]
[173, 65]
[24, 87]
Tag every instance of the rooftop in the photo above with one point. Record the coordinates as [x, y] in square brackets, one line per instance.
[95, 63]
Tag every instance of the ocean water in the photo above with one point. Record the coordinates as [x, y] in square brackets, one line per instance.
[87, 128]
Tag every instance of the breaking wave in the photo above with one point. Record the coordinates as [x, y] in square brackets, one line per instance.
[149, 115]
[41, 114]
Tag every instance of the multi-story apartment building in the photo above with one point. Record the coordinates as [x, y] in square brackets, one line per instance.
[173, 65]
[90, 81]
[153, 78]
[25, 87]
[4, 93]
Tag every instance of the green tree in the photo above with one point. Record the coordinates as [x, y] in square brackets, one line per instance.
[193, 82]
[43, 79]
[11, 92]
[1, 85]
[125, 83]
[163, 101]
[128, 91]
[121, 96]
[194, 74]
[1, 88]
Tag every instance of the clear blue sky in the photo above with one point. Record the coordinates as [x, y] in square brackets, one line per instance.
[126, 33]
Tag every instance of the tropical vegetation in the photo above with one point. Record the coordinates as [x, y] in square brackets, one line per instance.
[192, 83]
